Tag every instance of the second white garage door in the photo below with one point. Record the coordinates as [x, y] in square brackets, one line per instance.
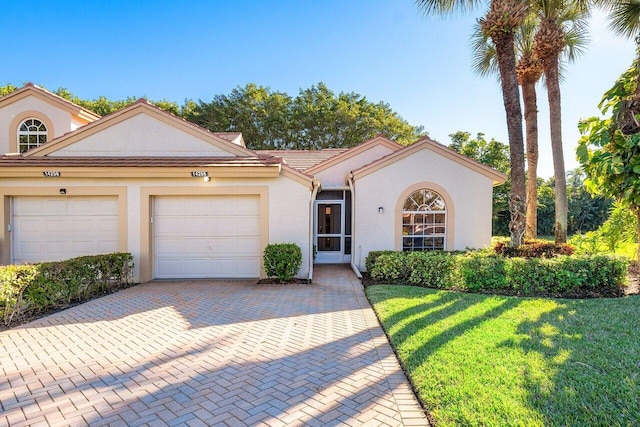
[206, 237]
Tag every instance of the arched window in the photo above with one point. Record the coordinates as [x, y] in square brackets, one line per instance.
[424, 221]
[31, 133]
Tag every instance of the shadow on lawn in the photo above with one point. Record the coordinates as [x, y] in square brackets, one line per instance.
[581, 363]
[592, 350]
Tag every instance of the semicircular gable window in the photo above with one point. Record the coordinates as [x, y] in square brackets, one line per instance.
[31, 133]
[424, 221]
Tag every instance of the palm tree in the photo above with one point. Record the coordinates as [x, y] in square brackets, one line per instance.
[624, 19]
[528, 72]
[499, 24]
[560, 21]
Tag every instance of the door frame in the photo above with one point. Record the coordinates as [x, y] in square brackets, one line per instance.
[330, 257]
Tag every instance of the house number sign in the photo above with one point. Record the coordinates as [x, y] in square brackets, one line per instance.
[199, 174]
[52, 173]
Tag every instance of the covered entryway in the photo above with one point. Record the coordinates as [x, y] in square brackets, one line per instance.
[62, 227]
[206, 236]
[332, 236]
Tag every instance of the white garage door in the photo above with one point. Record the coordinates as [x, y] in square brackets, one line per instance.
[57, 228]
[206, 237]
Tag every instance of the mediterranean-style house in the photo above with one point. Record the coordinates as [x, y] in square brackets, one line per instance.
[189, 203]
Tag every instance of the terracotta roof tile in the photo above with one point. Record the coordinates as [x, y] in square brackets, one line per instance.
[19, 161]
[303, 159]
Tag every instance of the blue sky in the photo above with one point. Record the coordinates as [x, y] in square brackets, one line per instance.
[383, 49]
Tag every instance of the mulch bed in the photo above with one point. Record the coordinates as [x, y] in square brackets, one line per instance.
[273, 281]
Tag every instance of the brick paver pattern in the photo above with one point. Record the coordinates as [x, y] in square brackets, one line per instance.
[209, 353]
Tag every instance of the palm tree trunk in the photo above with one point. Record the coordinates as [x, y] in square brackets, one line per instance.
[555, 123]
[531, 124]
[503, 42]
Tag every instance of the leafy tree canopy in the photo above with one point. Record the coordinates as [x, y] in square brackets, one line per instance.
[101, 105]
[316, 118]
[609, 157]
[496, 155]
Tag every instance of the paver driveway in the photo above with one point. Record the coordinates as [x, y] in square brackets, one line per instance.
[209, 353]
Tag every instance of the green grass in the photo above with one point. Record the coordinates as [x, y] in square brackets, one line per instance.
[493, 360]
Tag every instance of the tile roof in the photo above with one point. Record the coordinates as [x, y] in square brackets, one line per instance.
[20, 161]
[303, 159]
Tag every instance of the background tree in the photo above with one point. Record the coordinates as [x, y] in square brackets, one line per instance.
[560, 20]
[624, 19]
[496, 155]
[586, 212]
[7, 89]
[609, 157]
[262, 115]
[499, 24]
[316, 118]
[528, 71]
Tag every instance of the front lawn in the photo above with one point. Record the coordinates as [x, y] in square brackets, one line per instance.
[493, 360]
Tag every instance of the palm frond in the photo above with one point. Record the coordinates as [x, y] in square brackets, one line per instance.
[624, 17]
[444, 7]
[484, 60]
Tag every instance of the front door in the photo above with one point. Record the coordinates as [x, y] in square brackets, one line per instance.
[329, 232]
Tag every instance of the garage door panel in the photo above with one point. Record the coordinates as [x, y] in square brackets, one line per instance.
[247, 204]
[247, 246]
[168, 246]
[196, 246]
[215, 232]
[165, 267]
[248, 266]
[247, 226]
[56, 247]
[56, 228]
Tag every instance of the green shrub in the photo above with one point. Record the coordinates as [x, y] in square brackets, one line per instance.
[32, 288]
[372, 257]
[391, 267]
[14, 279]
[282, 261]
[482, 271]
[433, 269]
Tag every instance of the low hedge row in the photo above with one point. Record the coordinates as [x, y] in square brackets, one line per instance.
[31, 288]
[482, 271]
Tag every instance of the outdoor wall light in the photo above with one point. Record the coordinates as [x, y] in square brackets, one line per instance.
[206, 179]
[380, 210]
[63, 191]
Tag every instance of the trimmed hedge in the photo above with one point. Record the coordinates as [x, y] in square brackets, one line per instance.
[32, 288]
[282, 261]
[484, 272]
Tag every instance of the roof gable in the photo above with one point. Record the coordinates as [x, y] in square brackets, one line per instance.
[426, 143]
[142, 129]
[44, 95]
[352, 152]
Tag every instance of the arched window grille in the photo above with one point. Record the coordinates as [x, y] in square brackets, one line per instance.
[424, 221]
[31, 133]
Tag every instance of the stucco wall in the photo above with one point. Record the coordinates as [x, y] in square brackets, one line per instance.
[61, 119]
[141, 135]
[336, 175]
[288, 205]
[469, 193]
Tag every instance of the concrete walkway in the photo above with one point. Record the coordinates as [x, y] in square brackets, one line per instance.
[209, 353]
